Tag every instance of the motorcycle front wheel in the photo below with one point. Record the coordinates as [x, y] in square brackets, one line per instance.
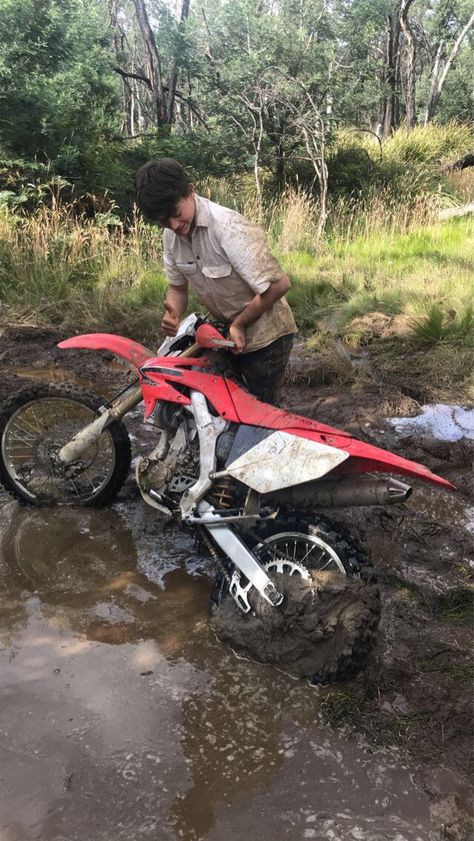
[34, 424]
[329, 634]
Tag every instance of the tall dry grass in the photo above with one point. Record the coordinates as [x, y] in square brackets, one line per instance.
[463, 184]
[60, 267]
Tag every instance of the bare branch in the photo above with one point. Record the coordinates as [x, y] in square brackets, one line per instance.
[138, 76]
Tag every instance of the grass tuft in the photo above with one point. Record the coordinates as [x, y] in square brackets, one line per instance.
[456, 605]
[431, 329]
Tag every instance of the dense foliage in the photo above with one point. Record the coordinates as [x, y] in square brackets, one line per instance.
[89, 89]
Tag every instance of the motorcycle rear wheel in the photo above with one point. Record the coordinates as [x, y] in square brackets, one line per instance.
[321, 547]
[34, 424]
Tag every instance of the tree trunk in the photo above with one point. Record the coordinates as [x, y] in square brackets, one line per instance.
[153, 63]
[280, 168]
[119, 39]
[128, 109]
[434, 80]
[391, 110]
[410, 64]
[437, 81]
[173, 76]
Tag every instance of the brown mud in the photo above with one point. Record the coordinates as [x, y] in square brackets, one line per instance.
[122, 715]
[323, 621]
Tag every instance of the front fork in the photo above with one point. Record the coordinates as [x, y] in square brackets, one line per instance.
[92, 432]
[240, 556]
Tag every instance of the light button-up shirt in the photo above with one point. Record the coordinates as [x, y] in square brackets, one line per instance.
[227, 261]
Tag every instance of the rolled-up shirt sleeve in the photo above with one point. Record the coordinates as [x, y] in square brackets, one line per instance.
[247, 250]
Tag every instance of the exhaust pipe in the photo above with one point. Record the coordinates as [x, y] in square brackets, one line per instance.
[343, 493]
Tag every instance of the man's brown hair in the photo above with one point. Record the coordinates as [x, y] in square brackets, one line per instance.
[159, 187]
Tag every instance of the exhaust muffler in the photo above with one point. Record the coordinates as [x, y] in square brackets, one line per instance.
[343, 493]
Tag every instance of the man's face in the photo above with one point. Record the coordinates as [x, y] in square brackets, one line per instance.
[182, 222]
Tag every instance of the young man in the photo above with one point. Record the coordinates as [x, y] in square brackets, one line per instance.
[226, 261]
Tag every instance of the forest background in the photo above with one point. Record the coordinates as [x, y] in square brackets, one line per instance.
[344, 127]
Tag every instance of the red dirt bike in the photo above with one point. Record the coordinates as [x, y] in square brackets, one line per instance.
[247, 475]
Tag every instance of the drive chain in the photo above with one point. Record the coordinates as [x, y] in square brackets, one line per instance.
[218, 557]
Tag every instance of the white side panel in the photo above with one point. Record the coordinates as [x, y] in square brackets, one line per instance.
[283, 460]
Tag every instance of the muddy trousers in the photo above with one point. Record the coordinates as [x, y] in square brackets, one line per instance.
[263, 371]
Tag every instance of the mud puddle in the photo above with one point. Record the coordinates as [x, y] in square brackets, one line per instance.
[124, 717]
[52, 375]
[441, 421]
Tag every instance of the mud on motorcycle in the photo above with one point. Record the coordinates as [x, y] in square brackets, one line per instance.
[290, 586]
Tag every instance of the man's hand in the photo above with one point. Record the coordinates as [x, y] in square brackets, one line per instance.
[175, 305]
[171, 320]
[237, 334]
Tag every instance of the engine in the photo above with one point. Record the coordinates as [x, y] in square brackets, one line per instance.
[173, 466]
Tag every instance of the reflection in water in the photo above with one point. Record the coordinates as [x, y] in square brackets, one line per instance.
[163, 733]
[84, 576]
[82, 564]
[231, 733]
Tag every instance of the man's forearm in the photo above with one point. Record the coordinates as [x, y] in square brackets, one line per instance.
[176, 299]
[261, 303]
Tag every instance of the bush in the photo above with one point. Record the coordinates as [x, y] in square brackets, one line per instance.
[406, 165]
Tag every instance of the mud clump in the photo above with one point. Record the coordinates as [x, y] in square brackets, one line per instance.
[323, 631]
[453, 821]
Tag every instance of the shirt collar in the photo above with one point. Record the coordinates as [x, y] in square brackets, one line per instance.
[202, 213]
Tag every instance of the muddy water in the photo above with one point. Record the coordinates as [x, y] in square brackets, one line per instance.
[124, 718]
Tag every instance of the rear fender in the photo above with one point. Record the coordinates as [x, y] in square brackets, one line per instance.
[365, 458]
[362, 458]
[127, 349]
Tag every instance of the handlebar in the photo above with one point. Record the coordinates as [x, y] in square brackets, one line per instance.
[200, 331]
[208, 336]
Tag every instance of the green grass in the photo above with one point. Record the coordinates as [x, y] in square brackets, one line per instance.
[423, 277]
[56, 269]
[409, 273]
[461, 674]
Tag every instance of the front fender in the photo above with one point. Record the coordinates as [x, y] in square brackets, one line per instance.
[131, 351]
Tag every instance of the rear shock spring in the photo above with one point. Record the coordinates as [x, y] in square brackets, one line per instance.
[222, 493]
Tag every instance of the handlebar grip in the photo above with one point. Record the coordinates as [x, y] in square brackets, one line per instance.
[223, 342]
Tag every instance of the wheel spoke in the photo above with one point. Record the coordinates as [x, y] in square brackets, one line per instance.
[40, 425]
[298, 549]
[308, 553]
[37, 428]
[27, 439]
[85, 473]
[328, 563]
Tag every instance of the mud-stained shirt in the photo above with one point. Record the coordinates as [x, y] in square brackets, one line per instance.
[227, 261]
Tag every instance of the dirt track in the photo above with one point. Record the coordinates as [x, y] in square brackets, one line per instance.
[408, 716]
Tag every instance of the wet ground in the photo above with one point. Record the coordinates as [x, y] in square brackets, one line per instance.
[124, 718]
